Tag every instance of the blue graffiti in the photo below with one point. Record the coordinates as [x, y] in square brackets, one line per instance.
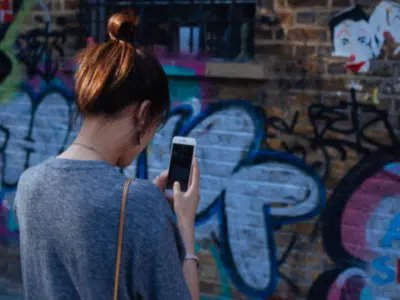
[392, 233]
[35, 125]
[255, 274]
[381, 264]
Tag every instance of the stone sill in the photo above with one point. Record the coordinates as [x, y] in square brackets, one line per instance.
[235, 71]
[222, 70]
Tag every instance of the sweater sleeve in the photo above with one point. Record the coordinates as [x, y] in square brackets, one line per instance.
[167, 277]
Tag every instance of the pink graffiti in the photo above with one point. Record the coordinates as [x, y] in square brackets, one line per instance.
[361, 205]
[348, 285]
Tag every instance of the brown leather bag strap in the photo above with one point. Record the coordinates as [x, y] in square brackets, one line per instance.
[120, 237]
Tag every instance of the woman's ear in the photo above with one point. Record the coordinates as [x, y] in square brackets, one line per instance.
[143, 113]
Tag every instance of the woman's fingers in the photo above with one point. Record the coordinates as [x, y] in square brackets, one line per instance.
[164, 175]
[176, 188]
[195, 176]
[169, 198]
[161, 179]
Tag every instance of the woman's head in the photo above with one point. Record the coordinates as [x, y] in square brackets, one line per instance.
[118, 84]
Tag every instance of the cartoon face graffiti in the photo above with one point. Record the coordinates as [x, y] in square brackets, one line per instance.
[385, 22]
[351, 35]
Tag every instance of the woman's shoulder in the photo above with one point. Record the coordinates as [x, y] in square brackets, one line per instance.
[145, 189]
[148, 198]
[32, 175]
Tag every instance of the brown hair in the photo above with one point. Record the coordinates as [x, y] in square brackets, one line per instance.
[116, 74]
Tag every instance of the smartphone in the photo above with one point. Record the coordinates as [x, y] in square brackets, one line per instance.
[180, 164]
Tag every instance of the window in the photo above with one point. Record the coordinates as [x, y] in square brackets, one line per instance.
[183, 29]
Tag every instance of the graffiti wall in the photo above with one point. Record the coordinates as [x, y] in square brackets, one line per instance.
[300, 173]
[360, 233]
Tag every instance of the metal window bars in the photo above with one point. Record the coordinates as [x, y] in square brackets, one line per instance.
[182, 29]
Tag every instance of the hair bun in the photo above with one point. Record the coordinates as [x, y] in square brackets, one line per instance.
[122, 26]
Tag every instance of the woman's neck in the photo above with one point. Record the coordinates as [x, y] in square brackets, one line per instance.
[96, 141]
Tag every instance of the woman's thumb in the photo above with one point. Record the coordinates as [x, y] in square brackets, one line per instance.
[177, 187]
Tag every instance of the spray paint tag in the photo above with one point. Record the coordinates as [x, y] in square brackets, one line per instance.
[375, 98]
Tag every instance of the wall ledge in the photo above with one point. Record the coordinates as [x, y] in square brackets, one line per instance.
[235, 70]
[223, 70]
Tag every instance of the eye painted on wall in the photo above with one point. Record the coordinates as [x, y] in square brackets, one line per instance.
[362, 39]
[345, 41]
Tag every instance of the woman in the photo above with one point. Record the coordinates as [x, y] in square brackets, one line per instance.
[69, 206]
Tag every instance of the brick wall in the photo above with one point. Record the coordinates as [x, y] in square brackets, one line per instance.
[296, 136]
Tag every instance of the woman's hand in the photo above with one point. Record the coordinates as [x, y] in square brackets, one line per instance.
[161, 181]
[185, 203]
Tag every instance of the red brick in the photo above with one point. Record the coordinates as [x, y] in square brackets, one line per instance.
[57, 5]
[279, 33]
[305, 100]
[286, 50]
[382, 68]
[276, 297]
[341, 3]
[337, 68]
[209, 288]
[280, 4]
[272, 49]
[322, 18]
[304, 51]
[334, 84]
[286, 18]
[313, 260]
[38, 7]
[71, 4]
[274, 144]
[305, 17]
[324, 51]
[300, 34]
[371, 4]
[305, 3]
[304, 228]
[282, 240]
[331, 183]
[263, 33]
